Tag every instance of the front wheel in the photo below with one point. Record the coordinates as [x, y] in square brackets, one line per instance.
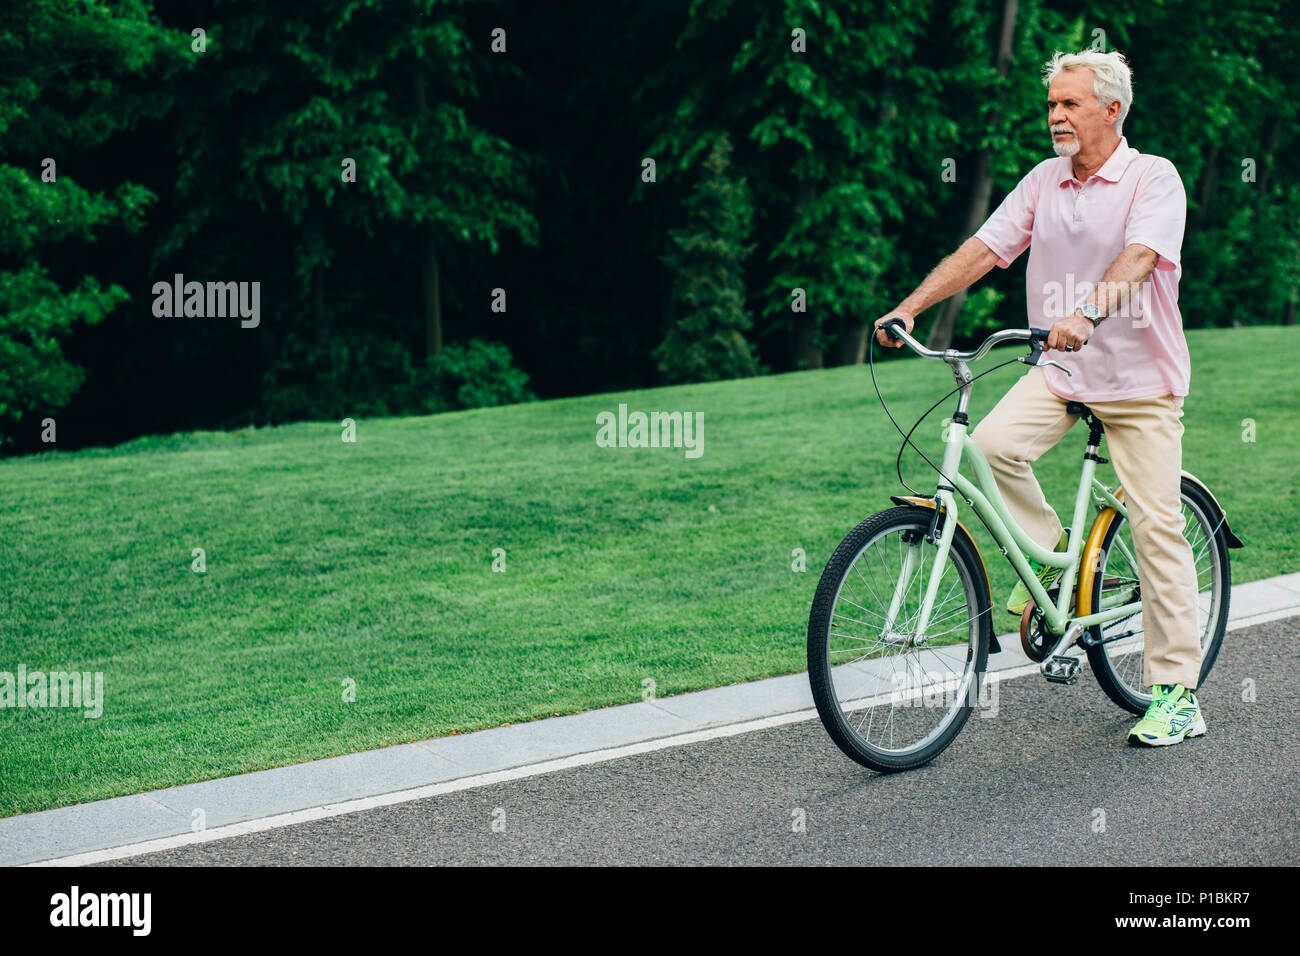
[1118, 662]
[890, 697]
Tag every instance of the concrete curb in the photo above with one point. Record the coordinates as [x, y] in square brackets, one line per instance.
[122, 821]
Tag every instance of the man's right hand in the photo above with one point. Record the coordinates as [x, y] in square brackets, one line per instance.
[883, 337]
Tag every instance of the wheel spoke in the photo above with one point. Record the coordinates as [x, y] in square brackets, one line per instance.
[1124, 661]
[897, 695]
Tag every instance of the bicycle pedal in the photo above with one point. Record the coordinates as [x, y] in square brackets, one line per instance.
[1062, 670]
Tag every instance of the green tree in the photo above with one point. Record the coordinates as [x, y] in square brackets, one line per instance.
[346, 127]
[1226, 118]
[64, 69]
[707, 341]
[841, 126]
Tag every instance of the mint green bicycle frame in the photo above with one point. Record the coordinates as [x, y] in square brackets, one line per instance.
[1014, 544]
[1011, 538]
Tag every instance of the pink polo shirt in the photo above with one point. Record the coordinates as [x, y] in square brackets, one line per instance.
[1074, 231]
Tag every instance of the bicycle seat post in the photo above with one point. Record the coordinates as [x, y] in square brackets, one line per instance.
[1095, 430]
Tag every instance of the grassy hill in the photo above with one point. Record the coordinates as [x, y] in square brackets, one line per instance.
[335, 567]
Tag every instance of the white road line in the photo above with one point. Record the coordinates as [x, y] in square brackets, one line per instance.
[453, 786]
[420, 793]
[502, 776]
[1263, 618]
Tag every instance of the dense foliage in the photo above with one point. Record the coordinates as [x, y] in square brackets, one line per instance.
[451, 203]
[707, 339]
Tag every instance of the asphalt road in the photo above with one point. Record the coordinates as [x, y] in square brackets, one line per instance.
[1048, 780]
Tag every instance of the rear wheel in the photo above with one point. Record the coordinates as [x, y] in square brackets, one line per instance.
[1118, 663]
[890, 697]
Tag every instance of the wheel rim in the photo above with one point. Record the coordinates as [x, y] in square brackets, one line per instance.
[1125, 657]
[897, 696]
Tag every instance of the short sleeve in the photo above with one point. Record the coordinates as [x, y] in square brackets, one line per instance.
[1008, 231]
[1158, 215]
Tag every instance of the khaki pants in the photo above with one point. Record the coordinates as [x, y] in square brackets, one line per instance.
[1144, 438]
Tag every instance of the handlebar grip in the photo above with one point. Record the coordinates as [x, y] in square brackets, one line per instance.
[888, 326]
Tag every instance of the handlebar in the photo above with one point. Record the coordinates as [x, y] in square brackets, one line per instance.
[896, 329]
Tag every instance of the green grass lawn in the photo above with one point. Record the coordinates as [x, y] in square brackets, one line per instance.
[372, 562]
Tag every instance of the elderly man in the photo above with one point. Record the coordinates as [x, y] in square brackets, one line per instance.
[1099, 211]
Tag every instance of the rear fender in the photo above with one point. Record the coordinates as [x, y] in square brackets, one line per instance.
[1221, 516]
[1091, 554]
[1092, 547]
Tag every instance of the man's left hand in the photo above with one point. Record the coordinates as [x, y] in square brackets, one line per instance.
[1069, 334]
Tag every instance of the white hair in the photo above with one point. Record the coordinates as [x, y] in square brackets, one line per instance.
[1111, 78]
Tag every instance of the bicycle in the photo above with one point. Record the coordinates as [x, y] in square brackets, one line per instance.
[876, 606]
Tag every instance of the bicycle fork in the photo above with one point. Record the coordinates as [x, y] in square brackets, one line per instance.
[939, 535]
[913, 568]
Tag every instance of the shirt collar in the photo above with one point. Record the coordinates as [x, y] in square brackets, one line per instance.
[1111, 170]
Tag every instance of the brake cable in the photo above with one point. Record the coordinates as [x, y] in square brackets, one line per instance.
[907, 437]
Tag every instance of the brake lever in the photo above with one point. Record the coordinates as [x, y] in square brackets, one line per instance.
[1038, 339]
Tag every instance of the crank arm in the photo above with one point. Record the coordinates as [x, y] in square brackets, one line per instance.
[1088, 641]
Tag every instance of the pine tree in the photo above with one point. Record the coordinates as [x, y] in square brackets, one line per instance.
[707, 341]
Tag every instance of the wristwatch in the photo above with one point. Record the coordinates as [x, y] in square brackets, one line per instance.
[1090, 312]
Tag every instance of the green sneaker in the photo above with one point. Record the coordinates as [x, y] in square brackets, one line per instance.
[1019, 599]
[1173, 715]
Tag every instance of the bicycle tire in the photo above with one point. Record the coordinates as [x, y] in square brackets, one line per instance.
[1117, 688]
[964, 558]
